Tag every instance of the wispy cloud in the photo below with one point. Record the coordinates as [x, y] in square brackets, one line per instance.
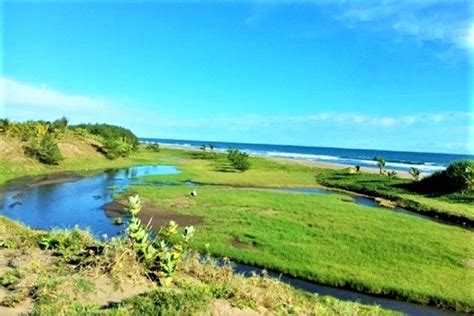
[24, 101]
[449, 23]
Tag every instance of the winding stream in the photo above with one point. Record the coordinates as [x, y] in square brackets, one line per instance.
[64, 201]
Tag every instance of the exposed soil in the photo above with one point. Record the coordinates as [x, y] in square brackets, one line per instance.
[223, 308]
[235, 242]
[158, 216]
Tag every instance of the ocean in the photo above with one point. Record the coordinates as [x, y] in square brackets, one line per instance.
[427, 163]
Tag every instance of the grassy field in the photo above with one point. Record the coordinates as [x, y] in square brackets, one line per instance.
[113, 282]
[316, 237]
[334, 242]
[269, 173]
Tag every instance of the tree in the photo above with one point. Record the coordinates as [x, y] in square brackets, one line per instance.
[415, 173]
[380, 164]
[46, 150]
[392, 174]
[203, 148]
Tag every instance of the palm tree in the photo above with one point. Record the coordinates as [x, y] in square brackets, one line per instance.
[211, 147]
[415, 173]
[392, 174]
[380, 164]
[203, 147]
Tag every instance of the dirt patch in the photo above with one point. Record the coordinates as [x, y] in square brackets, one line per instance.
[224, 308]
[470, 263]
[158, 216]
[386, 203]
[237, 243]
[269, 212]
[183, 202]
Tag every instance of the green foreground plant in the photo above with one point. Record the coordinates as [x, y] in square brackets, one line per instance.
[161, 255]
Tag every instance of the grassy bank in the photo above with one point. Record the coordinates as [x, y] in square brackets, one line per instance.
[332, 241]
[113, 282]
[457, 204]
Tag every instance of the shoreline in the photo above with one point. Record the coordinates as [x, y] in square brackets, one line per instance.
[305, 162]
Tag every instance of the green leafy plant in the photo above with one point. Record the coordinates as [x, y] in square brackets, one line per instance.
[9, 278]
[160, 255]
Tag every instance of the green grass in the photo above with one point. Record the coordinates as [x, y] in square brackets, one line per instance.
[262, 173]
[371, 184]
[325, 239]
[58, 287]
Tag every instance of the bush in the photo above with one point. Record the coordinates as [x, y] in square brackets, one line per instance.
[115, 148]
[153, 147]
[46, 150]
[458, 177]
[238, 159]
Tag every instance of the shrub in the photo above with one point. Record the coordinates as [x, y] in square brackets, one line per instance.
[114, 148]
[238, 159]
[153, 147]
[461, 175]
[46, 150]
[458, 177]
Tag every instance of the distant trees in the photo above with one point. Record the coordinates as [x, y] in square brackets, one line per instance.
[238, 159]
[107, 132]
[380, 164]
[117, 141]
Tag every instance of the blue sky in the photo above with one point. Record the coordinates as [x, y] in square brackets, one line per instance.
[385, 75]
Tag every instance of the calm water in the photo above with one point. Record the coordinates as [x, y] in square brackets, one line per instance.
[64, 205]
[396, 160]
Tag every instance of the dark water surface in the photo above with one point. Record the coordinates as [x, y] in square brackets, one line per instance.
[77, 202]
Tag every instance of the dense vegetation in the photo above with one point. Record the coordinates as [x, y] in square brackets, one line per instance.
[117, 141]
[458, 177]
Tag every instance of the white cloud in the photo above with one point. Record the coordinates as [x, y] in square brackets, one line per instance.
[21, 101]
[425, 21]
